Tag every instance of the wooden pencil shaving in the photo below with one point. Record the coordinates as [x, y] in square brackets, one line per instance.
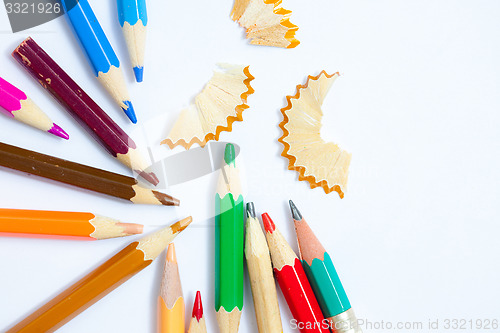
[266, 22]
[321, 163]
[220, 103]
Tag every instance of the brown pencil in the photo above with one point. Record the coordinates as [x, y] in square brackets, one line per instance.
[80, 175]
[101, 281]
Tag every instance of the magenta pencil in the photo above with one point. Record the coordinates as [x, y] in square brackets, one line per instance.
[83, 108]
[19, 106]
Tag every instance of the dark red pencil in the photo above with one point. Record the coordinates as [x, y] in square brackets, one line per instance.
[293, 282]
[83, 108]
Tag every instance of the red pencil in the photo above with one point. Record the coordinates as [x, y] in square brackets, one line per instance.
[293, 282]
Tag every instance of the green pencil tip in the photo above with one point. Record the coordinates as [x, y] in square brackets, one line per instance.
[229, 154]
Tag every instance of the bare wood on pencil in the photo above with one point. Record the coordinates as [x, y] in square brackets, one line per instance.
[229, 322]
[260, 270]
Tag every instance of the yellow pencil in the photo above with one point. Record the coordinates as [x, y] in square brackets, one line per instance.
[170, 302]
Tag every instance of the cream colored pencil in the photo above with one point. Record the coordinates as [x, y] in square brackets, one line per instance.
[260, 270]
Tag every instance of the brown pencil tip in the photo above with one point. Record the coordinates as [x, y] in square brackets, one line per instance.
[181, 225]
[197, 307]
[295, 212]
[166, 199]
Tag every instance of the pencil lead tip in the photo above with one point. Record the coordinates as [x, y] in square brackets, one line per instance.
[58, 131]
[250, 210]
[181, 225]
[171, 257]
[149, 176]
[165, 199]
[129, 111]
[268, 223]
[197, 307]
[229, 154]
[295, 212]
[139, 73]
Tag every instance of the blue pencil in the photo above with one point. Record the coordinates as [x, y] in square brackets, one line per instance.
[133, 18]
[99, 52]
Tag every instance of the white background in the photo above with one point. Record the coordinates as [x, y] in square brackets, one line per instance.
[417, 104]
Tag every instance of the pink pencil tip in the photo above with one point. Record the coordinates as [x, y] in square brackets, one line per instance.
[197, 307]
[58, 131]
[268, 223]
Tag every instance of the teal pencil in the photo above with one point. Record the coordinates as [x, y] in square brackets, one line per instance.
[323, 277]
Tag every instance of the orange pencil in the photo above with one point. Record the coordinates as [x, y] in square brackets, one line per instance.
[63, 225]
[98, 283]
[197, 324]
[170, 302]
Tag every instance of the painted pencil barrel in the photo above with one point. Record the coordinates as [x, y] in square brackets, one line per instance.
[85, 292]
[46, 222]
[171, 320]
[300, 299]
[229, 252]
[327, 286]
[90, 34]
[10, 96]
[331, 295]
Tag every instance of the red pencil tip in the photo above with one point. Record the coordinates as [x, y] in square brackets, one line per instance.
[197, 307]
[268, 223]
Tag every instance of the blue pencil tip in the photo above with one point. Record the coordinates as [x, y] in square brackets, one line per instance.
[129, 111]
[139, 73]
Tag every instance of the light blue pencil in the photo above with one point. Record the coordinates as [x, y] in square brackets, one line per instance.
[99, 52]
[133, 18]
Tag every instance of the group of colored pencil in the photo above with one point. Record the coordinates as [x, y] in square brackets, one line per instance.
[311, 286]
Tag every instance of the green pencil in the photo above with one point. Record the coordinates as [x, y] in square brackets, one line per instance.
[229, 222]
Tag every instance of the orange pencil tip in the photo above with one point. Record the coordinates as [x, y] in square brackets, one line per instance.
[268, 223]
[197, 307]
[171, 257]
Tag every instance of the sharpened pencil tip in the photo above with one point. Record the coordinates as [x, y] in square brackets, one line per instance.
[181, 225]
[250, 209]
[197, 307]
[165, 199]
[171, 257]
[295, 212]
[229, 154]
[129, 111]
[58, 131]
[139, 73]
[268, 223]
[149, 176]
